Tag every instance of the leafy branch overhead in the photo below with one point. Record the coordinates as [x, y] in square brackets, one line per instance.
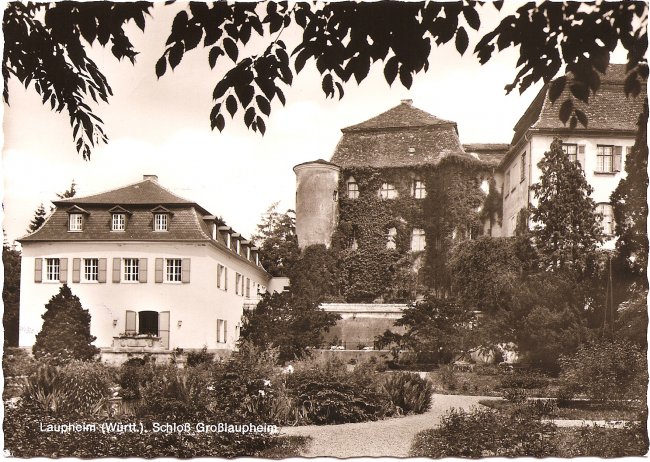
[344, 40]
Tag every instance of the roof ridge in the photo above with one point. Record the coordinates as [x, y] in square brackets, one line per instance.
[76, 198]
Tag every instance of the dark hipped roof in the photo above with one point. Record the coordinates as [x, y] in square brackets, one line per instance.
[608, 109]
[489, 153]
[400, 137]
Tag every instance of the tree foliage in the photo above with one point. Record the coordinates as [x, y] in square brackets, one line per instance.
[276, 236]
[68, 193]
[11, 294]
[630, 204]
[343, 39]
[567, 229]
[288, 322]
[39, 218]
[65, 334]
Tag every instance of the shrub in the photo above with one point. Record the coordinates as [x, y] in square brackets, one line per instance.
[65, 334]
[541, 407]
[605, 370]
[195, 358]
[525, 380]
[448, 377]
[85, 386]
[593, 441]
[132, 376]
[17, 362]
[515, 395]
[486, 433]
[408, 392]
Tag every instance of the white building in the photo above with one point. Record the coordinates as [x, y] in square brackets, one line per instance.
[600, 148]
[156, 271]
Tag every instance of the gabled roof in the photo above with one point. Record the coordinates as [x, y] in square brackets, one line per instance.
[403, 136]
[489, 153]
[609, 109]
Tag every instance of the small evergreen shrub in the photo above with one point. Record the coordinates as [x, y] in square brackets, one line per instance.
[410, 393]
[525, 380]
[133, 375]
[515, 395]
[448, 377]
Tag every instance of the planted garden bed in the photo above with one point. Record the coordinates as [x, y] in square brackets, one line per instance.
[577, 409]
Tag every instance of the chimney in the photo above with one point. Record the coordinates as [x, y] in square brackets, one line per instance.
[153, 178]
[408, 102]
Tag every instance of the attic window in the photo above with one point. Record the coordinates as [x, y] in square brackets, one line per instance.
[119, 222]
[160, 222]
[75, 222]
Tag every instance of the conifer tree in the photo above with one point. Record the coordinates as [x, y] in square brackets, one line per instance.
[629, 201]
[38, 220]
[65, 334]
[567, 229]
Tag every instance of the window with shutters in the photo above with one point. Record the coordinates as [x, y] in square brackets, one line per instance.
[222, 277]
[52, 269]
[352, 188]
[174, 270]
[75, 222]
[91, 270]
[387, 191]
[606, 213]
[419, 191]
[131, 270]
[605, 159]
[160, 222]
[221, 330]
[118, 222]
[418, 241]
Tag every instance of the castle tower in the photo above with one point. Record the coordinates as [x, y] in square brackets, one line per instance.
[317, 195]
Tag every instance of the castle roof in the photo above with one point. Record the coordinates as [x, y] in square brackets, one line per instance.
[489, 153]
[400, 137]
[608, 110]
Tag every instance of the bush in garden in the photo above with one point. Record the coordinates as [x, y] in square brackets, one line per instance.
[593, 441]
[85, 386]
[525, 380]
[42, 389]
[605, 370]
[17, 362]
[448, 377]
[540, 407]
[132, 376]
[409, 392]
[65, 334]
[486, 433]
[195, 358]
[515, 395]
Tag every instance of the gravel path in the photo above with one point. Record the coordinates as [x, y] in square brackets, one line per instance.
[387, 438]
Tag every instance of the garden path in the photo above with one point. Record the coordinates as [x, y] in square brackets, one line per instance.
[388, 438]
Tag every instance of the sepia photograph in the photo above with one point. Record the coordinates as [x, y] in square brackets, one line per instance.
[332, 229]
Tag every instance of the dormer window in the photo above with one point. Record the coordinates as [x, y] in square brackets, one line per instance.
[352, 188]
[419, 191]
[75, 222]
[160, 222]
[118, 222]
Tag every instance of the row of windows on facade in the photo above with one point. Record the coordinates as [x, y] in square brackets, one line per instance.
[156, 323]
[160, 224]
[609, 159]
[171, 270]
[387, 190]
[418, 241]
[605, 213]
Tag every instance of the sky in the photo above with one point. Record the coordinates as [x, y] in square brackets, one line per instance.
[161, 127]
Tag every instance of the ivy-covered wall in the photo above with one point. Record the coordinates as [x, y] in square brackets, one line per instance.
[448, 214]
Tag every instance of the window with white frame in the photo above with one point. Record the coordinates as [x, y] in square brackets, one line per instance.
[391, 235]
[353, 189]
[418, 241]
[571, 150]
[131, 269]
[419, 190]
[91, 269]
[174, 270]
[604, 158]
[75, 222]
[52, 269]
[606, 213]
[160, 222]
[118, 222]
[221, 331]
[387, 191]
